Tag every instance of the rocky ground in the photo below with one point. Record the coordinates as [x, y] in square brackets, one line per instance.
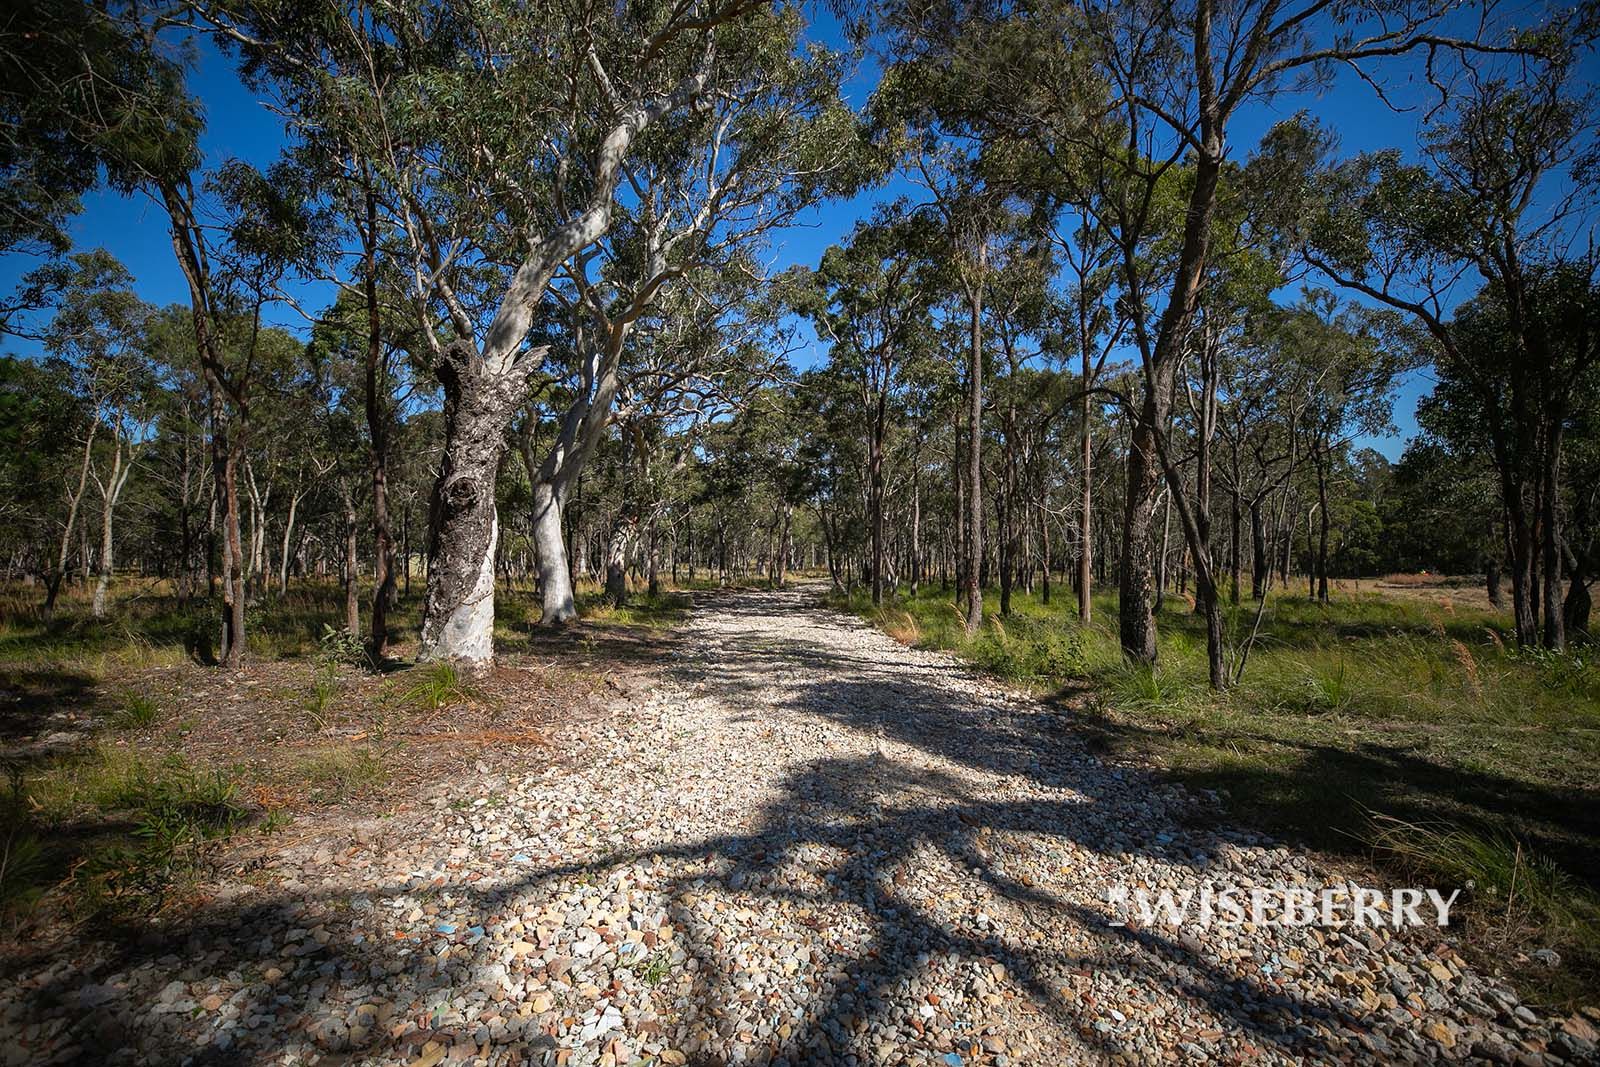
[801, 844]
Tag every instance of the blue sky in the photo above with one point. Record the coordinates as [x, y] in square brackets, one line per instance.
[240, 126]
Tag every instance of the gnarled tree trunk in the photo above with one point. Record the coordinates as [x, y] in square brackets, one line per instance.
[463, 529]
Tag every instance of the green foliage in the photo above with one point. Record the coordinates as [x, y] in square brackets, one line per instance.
[24, 865]
[1502, 877]
[338, 645]
[439, 685]
[1574, 672]
[174, 809]
[1329, 686]
[137, 712]
[319, 702]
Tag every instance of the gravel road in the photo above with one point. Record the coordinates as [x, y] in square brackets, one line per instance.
[805, 844]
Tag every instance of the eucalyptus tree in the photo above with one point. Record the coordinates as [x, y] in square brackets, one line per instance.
[498, 135]
[1504, 187]
[1265, 393]
[1348, 359]
[1025, 393]
[707, 190]
[98, 329]
[1092, 326]
[1122, 97]
[1491, 400]
[142, 127]
[832, 457]
[870, 300]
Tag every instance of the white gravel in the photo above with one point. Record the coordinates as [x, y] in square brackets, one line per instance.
[804, 844]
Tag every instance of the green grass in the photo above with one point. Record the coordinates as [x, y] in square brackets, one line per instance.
[333, 775]
[662, 611]
[319, 702]
[1371, 708]
[137, 712]
[437, 685]
[119, 828]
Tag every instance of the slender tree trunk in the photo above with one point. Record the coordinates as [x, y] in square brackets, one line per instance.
[1044, 552]
[1161, 560]
[1323, 524]
[110, 491]
[1555, 633]
[1236, 540]
[916, 529]
[1086, 499]
[959, 476]
[288, 533]
[785, 543]
[975, 449]
[875, 504]
[352, 595]
[376, 404]
[233, 593]
[1136, 622]
[74, 499]
[1259, 571]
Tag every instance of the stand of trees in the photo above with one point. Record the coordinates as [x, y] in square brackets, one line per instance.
[1098, 344]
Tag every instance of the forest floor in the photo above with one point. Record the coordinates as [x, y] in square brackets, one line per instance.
[772, 834]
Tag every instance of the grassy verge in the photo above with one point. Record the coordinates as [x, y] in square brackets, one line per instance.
[128, 758]
[1395, 728]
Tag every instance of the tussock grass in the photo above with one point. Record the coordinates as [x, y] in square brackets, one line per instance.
[319, 702]
[137, 712]
[1501, 871]
[438, 685]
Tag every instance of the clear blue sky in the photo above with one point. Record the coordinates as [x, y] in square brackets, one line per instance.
[241, 126]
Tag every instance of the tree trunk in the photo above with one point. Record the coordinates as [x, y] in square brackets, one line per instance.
[975, 449]
[74, 499]
[1492, 579]
[376, 403]
[288, 534]
[233, 594]
[1136, 622]
[916, 529]
[1555, 633]
[617, 562]
[352, 596]
[875, 504]
[108, 498]
[1161, 560]
[1236, 540]
[555, 577]
[1259, 570]
[1322, 526]
[463, 529]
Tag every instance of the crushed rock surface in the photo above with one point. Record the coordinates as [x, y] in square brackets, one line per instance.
[801, 844]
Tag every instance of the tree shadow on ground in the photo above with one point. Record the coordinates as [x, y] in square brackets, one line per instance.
[879, 823]
[1326, 795]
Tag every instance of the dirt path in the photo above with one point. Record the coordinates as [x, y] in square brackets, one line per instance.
[802, 844]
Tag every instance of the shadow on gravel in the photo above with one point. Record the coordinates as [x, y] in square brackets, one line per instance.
[882, 815]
